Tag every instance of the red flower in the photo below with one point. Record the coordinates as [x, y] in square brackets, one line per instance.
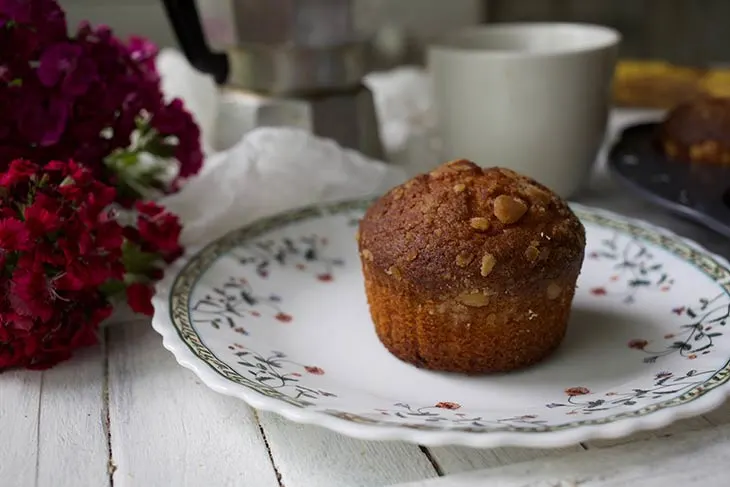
[39, 220]
[577, 391]
[314, 370]
[14, 235]
[598, 291]
[139, 298]
[638, 344]
[678, 311]
[57, 253]
[448, 405]
[19, 171]
[158, 230]
[29, 294]
[325, 277]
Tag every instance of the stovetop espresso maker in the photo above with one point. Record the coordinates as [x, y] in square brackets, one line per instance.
[304, 50]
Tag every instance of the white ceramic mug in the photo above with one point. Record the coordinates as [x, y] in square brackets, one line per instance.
[533, 97]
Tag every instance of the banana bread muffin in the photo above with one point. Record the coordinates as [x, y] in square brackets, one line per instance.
[470, 270]
[698, 131]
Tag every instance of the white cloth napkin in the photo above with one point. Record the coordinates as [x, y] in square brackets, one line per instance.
[274, 169]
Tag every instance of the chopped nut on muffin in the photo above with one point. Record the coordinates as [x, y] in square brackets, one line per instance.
[487, 262]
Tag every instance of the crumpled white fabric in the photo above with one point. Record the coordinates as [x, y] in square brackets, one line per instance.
[272, 170]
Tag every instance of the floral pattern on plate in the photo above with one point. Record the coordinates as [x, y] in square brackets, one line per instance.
[275, 313]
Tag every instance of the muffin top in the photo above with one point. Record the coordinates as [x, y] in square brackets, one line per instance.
[463, 228]
[698, 130]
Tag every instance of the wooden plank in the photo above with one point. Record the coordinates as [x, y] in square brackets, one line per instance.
[456, 459]
[20, 393]
[167, 428]
[310, 456]
[72, 436]
[686, 460]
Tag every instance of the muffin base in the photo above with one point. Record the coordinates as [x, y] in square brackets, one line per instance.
[513, 331]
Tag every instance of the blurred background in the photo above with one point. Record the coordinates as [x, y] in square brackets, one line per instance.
[683, 31]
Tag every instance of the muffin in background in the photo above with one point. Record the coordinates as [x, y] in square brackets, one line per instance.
[470, 270]
[697, 131]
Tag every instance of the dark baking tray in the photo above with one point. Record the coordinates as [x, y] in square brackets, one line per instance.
[697, 191]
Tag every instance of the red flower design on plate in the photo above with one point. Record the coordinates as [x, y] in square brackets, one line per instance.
[678, 311]
[598, 291]
[314, 370]
[577, 391]
[638, 344]
[283, 317]
[692, 356]
[325, 277]
[668, 336]
[448, 405]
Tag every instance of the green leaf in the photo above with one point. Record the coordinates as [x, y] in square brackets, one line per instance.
[160, 148]
[136, 261]
[113, 287]
[17, 82]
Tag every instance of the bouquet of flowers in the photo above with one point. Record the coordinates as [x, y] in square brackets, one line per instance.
[87, 144]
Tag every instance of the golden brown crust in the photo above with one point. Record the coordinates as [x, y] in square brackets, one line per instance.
[698, 131]
[470, 270]
[429, 233]
[503, 334]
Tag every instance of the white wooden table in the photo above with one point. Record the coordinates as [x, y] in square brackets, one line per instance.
[125, 414]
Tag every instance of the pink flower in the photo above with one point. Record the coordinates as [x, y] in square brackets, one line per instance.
[314, 370]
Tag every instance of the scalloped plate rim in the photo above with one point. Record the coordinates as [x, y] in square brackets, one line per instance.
[171, 341]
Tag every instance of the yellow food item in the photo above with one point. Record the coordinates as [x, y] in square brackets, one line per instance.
[659, 84]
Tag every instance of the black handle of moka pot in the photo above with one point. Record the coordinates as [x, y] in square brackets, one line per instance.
[183, 15]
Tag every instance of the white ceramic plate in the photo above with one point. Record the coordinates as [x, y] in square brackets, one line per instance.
[275, 314]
